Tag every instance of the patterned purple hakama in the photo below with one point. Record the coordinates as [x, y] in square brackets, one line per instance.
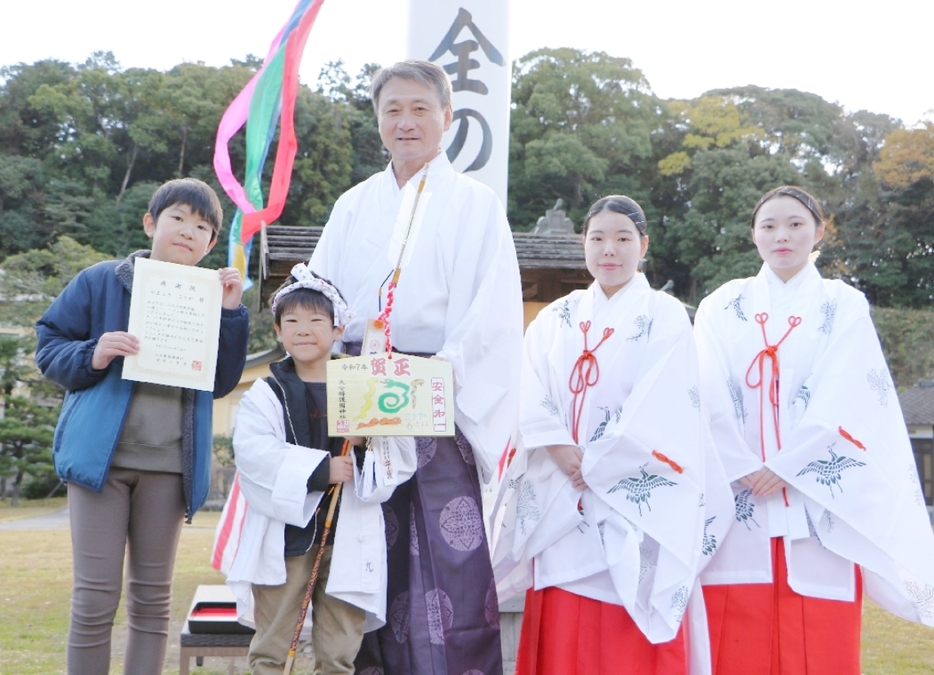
[442, 610]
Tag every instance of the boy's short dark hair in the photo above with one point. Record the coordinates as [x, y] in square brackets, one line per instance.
[196, 194]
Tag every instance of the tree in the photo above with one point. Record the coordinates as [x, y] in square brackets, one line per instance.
[194, 98]
[698, 137]
[369, 155]
[710, 122]
[902, 274]
[885, 213]
[23, 186]
[26, 431]
[714, 237]
[88, 112]
[147, 126]
[906, 157]
[24, 129]
[116, 228]
[854, 197]
[580, 122]
[30, 281]
[83, 147]
[14, 366]
[796, 124]
[29, 403]
[324, 162]
[26, 425]
[727, 153]
[732, 145]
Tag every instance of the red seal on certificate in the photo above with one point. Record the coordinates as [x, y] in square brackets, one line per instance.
[196, 366]
[343, 426]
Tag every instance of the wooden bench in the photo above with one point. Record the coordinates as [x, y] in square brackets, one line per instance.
[211, 628]
[199, 644]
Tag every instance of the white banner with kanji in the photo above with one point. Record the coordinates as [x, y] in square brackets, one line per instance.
[470, 40]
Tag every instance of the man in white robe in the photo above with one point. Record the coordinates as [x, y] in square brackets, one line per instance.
[458, 298]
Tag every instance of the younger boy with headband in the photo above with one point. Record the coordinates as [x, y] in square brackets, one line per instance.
[287, 462]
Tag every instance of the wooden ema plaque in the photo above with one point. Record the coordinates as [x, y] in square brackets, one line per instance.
[375, 395]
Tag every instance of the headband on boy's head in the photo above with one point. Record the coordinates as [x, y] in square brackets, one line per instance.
[305, 278]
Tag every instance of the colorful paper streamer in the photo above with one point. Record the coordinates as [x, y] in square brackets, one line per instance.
[266, 103]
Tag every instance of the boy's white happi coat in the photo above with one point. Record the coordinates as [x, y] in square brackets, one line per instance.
[273, 478]
[647, 525]
[854, 494]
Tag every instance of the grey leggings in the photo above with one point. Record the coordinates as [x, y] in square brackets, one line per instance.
[139, 512]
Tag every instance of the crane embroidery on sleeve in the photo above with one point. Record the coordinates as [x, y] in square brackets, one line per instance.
[679, 602]
[639, 489]
[829, 310]
[830, 472]
[914, 481]
[646, 562]
[736, 304]
[549, 405]
[922, 596]
[694, 395]
[526, 506]
[598, 432]
[737, 397]
[564, 312]
[803, 395]
[710, 540]
[643, 327]
[607, 416]
[745, 508]
[880, 383]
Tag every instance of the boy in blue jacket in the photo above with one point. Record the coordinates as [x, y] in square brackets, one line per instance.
[136, 456]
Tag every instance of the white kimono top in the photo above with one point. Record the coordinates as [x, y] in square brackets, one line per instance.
[274, 476]
[655, 510]
[840, 443]
[459, 294]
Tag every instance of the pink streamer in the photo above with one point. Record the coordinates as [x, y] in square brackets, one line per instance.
[233, 120]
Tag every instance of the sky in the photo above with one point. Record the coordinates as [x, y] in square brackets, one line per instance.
[864, 57]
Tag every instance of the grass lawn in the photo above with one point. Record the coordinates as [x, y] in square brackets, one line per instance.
[35, 592]
[30, 507]
[35, 568]
[894, 646]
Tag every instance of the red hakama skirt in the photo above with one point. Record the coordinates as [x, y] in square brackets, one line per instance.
[567, 634]
[768, 629]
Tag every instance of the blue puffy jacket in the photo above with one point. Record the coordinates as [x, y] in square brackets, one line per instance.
[97, 301]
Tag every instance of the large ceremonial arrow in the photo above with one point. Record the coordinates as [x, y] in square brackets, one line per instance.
[265, 103]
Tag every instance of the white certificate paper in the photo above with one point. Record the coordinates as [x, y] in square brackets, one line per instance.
[175, 311]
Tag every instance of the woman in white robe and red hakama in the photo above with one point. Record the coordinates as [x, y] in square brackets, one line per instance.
[608, 509]
[808, 426]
